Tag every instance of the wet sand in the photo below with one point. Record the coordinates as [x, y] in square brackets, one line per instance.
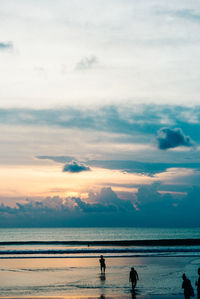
[103, 297]
[80, 278]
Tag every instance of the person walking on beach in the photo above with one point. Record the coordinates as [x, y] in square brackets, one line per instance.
[133, 277]
[102, 264]
[188, 289]
[198, 285]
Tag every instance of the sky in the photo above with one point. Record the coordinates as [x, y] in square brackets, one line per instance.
[99, 113]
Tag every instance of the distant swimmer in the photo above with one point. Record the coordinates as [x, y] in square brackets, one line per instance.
[102, 264]
[188, 289]
[198, 285]
[133, 278]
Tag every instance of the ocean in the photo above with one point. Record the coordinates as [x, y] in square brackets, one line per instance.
[65, 261]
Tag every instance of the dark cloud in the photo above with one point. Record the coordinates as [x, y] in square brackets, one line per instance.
[168, 209]
[109, 198]
[149, 207]
[171, 138]
[87, 63]
[129, 124]
[75, 167]
[6, 46]
[148, 168]
[104, 208]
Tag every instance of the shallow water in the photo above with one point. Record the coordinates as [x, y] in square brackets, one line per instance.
[28, 269]
[81, 276]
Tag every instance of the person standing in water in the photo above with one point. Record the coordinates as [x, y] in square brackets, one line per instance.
[102, 264]
[198, 285]
[133, 278]
[186, 285]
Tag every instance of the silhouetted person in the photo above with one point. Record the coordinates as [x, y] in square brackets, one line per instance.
[198, 285]
[133, 277]
[186, 285]
[102, 264]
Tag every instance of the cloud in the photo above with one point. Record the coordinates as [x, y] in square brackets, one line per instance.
[106, 201]
[117, 40]
[59, 159]
[138, 122]
[108, 197]
[75, 167]
[101, 209]
[149, 168]
[168, 209]
[6, 46]
[105, 133]
[87, 63]
[129, 166]
[187, 14]
[171, 138]
[149, 207]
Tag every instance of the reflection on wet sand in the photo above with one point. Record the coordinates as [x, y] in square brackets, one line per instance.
[133, 293]
[102, 276]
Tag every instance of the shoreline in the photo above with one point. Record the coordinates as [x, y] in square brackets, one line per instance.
[96, 257]
[98, 297]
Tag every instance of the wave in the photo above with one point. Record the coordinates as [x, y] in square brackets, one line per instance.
[100, 251]
[157, 242]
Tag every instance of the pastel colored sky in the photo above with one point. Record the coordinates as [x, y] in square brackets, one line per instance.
[99, 112]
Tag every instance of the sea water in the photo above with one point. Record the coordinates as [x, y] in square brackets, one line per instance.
[52, 268]
[77, 242]
[96, 233]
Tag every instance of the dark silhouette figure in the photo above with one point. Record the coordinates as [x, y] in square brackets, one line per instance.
[186, 285]
[102, 264]
[198, 285]
[133, 278]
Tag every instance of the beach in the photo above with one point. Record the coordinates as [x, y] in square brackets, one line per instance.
[159, 277]
[101, 297]
[64, 262]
